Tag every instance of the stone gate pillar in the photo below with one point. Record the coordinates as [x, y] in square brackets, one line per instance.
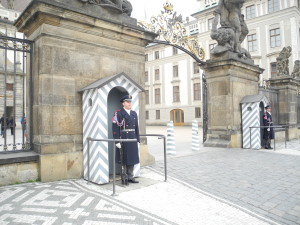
[229, 80]
[287, 102]
[76, 43]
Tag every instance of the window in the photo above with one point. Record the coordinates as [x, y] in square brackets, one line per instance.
[175, 51]
[176, 94]
[250, 11]
[273, 5]
[146, 76]
[197, 112]
[156, 74]
[273, 69]
[197, 91]
[156, 54]
[175, 71]
[252, 43]
[275, 38]
[147, 97]
[9, 87]
[157, 114]
[157, 96]
[196, 68]
[147, 115]
[212, 46]
[146, 57]
[210, 2]
[210, 23]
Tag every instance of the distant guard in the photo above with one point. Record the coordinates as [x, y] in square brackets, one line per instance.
[268, 130]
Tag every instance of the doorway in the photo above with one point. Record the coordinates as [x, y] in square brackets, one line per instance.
[113, 104]
[177, 116]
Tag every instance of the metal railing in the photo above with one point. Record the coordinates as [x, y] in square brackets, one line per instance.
[114, 155]
[160, 136]
[275, 126]
[13, 91]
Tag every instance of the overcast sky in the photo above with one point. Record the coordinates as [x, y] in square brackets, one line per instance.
[142, 8]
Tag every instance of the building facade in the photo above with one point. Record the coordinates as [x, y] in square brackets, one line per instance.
[272, 25]
[11, 67]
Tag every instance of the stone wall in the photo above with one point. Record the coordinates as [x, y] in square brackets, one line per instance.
[73, 48]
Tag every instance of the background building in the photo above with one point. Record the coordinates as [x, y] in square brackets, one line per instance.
[272, 24]
[8, 81]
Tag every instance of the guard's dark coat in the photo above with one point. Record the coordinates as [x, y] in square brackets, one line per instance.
[131, 152]
[267, 119]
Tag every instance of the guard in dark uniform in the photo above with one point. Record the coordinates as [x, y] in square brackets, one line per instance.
[268, 131]
[127, 121]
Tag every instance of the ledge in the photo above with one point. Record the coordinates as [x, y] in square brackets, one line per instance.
[11, 157]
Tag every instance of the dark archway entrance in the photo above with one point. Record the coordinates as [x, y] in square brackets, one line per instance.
[113, 100]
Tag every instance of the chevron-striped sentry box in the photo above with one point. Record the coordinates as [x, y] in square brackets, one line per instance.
[252, 106]
[96, 123]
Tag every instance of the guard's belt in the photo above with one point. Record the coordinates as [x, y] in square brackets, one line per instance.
[126, 130]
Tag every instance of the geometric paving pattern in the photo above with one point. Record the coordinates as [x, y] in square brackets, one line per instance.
[66, 203]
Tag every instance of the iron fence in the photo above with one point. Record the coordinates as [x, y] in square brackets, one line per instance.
[15, 93]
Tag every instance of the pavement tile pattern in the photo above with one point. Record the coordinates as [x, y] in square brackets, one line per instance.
[265, 182]
[66, 203]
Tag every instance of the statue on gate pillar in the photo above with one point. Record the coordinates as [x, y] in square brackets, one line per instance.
[296, 71]
[233, 28]
[124, 6]
[282, 61]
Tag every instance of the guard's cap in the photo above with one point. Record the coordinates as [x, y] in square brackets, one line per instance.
[267, 107]
[127, 98]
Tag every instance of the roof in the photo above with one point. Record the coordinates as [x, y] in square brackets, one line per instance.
[103, 81]
[254, 98]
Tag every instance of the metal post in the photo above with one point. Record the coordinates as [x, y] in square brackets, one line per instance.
[88, 161]
[285, 136]
[165, 149]
[274, 139]
[23, 108]
[14, 99]
[165, 157]
[114, 169]
[31, 87]
[5, 95]
[250, 138]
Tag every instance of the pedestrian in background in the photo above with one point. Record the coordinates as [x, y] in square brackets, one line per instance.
[129, 129]
[2, 126]
[268, 130]
[12, 125]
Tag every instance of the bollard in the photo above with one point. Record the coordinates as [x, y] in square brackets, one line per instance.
[195, 136]
[170, 139]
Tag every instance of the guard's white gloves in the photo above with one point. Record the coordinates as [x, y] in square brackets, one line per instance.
[268, 129]
[118, 145]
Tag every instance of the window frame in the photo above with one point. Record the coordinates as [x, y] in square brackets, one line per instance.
[176, 93]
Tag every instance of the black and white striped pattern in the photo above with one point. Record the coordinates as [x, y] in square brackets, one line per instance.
[195, 136]
[95, 126]
[171, 149]
[251, 119]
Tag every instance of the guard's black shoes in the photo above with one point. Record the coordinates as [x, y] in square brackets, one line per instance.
[270, 148]
[266, 147]
[133, 181]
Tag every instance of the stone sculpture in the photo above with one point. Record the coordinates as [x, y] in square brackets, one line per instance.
[233, 28]
[282, 61]
[296, 71]
[124, 6]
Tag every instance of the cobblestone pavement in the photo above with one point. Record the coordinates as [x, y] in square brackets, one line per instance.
[152, 201]
[266, 182]
[213, 186]
[66, 203]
